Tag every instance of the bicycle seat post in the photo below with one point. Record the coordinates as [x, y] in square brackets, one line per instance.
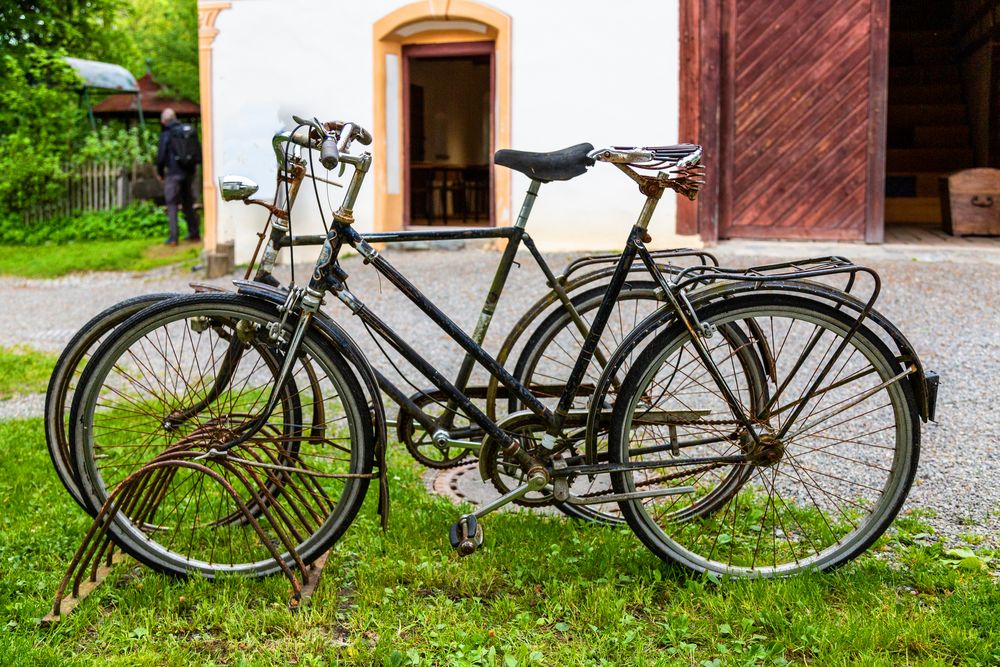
[529, 200]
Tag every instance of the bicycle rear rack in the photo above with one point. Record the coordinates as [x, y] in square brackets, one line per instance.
[795, 270]
[705, 259]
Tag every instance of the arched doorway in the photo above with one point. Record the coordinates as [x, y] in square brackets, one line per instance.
[448, 32]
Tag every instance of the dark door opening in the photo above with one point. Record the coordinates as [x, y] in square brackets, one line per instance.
[942, 106]
[448, 136]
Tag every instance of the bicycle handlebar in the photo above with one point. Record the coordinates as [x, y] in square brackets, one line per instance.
[329, 154]
[332, 138]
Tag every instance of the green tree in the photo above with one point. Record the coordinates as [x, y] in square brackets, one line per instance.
[166, 32]
[38, 115]
[81, 28]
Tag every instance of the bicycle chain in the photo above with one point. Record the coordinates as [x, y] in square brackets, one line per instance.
[701, 422]
[657, 480]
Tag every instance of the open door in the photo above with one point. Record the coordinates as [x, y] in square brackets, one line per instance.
[448, 103]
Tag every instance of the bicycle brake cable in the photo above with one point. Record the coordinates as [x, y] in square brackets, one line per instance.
[319, 205]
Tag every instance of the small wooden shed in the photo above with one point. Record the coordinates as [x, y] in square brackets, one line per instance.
[150, 100]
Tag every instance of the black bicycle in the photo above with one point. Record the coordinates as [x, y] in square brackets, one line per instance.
[760, 422]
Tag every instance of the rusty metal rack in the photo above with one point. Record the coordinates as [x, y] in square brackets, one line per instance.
[782, 271]
[141, 492]
[705, 259]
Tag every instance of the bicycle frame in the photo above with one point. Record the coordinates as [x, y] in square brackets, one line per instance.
[330, 277]
[516, 235]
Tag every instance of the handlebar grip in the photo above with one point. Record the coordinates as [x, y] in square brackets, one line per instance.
[364, 136]
[329, 156]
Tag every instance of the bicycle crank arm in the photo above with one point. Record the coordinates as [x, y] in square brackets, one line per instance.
[471, 445]
[466, 534]
[615, 497]
[535, 482]
[443, 439]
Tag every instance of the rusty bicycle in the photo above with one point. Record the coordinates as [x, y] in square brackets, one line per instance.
[760, 422]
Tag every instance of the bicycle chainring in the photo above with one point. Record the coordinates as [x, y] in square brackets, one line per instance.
[503, 472]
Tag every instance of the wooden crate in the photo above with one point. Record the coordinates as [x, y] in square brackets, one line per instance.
[970, 202]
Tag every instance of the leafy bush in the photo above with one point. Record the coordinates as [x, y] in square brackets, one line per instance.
[35, 91]
[121, 147]
[142, 220]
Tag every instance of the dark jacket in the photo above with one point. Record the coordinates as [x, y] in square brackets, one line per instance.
[166, 161]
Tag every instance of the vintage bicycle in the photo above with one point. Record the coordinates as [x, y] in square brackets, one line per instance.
[761, 422]
[546, 337]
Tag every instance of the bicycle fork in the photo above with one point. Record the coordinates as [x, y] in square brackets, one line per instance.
[305, 301]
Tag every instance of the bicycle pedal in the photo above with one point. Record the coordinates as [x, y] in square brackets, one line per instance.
[466, 535]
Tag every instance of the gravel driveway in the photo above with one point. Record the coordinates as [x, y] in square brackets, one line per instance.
[947, 308]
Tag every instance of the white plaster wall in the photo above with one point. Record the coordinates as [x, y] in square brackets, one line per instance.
[578, 73]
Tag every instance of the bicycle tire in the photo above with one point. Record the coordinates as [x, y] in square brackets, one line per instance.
[821, 525]
[68, 368]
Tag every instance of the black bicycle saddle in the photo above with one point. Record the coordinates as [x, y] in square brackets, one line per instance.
[553, 166]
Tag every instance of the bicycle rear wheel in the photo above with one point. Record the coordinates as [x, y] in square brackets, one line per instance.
[554, 346]
[190, 374]
[812, 494]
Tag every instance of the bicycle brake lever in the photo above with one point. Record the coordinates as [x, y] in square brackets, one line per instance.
[313, 124]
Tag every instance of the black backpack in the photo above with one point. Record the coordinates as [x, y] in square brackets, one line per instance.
[185, 147]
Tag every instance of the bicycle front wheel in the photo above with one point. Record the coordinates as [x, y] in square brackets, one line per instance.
[187, 376]
[826, 473]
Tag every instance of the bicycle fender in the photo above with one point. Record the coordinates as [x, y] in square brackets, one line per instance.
[341, 341]
[924, 383]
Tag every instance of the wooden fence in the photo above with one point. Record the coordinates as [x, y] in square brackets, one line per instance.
[90, 187]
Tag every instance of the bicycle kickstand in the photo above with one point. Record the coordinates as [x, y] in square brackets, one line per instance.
[466, 534]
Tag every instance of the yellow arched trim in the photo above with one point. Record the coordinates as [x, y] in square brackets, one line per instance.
[389, 207]
[207, 13]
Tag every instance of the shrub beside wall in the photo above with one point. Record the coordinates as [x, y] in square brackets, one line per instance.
[140, 220]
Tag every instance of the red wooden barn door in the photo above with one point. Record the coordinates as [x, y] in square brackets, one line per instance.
[802, 118]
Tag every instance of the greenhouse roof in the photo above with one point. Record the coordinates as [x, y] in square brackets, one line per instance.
[104, 76]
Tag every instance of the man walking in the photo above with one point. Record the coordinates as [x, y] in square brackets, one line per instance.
[178, 156]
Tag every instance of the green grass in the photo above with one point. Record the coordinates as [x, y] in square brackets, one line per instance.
[24, 371]
[52, 261]
[541, 591]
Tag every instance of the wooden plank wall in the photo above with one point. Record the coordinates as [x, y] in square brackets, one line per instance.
[800, 118]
